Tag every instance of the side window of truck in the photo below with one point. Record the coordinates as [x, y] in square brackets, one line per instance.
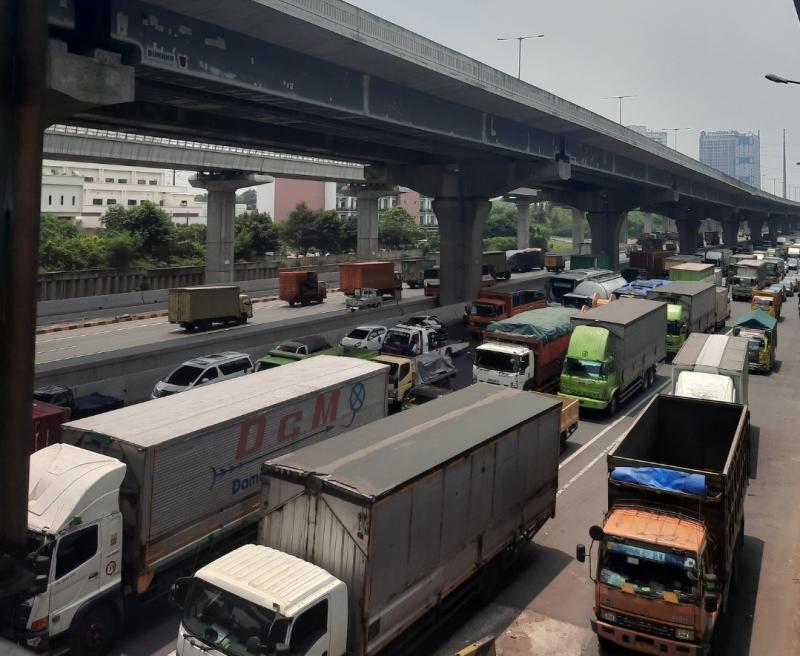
[309, 627]
[404, 369]
[75, 549]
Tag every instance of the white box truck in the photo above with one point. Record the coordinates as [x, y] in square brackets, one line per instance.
[373, 535]
[713, 367]
[136, 497]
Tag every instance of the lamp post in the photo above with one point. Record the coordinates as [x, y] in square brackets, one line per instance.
[620, 99]
[675, 133]
[519, 40]
[779, 80]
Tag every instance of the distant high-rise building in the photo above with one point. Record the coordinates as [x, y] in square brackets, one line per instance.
[737, 154]
[656, 135]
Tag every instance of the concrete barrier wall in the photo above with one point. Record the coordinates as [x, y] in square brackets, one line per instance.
[131, 373]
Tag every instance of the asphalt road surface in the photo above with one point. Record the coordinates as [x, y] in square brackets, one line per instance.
[546, 606]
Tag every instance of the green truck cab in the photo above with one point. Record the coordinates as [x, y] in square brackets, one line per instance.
[677, 327]
[761, 331]
[613, 352]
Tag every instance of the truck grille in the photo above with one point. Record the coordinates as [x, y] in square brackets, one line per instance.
[636, 624]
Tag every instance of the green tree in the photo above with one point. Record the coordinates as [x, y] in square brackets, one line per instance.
[201, 198]
[55, 227]
[249, 198]
[256, 234]
[329, 232]
[121, 249]
[433, 243]
[300, 229]
[189, 245]
[502, 220]
[398, 229]
[348, 236]
[146, 222]
[500, 243]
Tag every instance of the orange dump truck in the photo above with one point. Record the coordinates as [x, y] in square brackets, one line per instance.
[370, 275]
[669, 547]
[496, 306]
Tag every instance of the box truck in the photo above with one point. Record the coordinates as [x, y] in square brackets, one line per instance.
[380, 276]
[301, 287]
[497, 306]
[712, 367]
[749, 276]
[692, 308]
[613, 352]
[373, 537]
[669, 547]
[136, 497]
[526, 351]
[200, 307]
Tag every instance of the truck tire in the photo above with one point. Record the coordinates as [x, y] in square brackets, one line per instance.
[613, 405]
[291, 303]
[96, 632]
[205, 324]
[243, 318]
[304, 302]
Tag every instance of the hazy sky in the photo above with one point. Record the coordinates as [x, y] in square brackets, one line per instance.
[691, 63]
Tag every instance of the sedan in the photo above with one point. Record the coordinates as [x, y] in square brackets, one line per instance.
[367, 337]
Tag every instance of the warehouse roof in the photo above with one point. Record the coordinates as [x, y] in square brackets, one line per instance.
[379, 457]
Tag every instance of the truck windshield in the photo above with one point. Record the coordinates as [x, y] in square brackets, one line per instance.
[585, 368]
[559, 287]
[358, 333]
[762, 300]
[745, 281]
[505, 362]
[224, 621]
[184, 376]
[650, 572]
[484, 310]
[673, 327]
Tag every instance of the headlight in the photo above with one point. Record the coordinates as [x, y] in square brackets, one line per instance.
[684, 634]
[608, 616]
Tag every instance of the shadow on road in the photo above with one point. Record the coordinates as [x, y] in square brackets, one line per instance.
[755, 439]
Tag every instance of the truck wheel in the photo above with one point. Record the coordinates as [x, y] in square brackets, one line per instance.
[242, 318]
[96, 632]
[613, 404]
[291, 303]
[205, 324]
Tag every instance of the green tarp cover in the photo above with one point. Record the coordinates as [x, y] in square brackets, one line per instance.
[546, 324]
[757, 319]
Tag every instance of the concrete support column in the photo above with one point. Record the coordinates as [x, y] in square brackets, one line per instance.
[605, 227]
[730, 233]
[670, 225]
[756, 228]
[221, 189]
[368, 214]
[689, 232]
[523, 225]
[648, 223]
[461, 223]
[577, 229]
[772, 230]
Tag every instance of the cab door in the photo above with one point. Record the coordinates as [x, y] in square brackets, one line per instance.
[74, 575]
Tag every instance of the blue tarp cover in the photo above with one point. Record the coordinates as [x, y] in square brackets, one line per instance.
[661, 479]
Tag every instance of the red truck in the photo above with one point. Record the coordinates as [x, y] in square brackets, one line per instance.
[301, 287]
[47, 420]
[496, 306]
[370, 275]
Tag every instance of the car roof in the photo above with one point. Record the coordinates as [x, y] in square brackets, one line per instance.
[367, 327]
[215, 358]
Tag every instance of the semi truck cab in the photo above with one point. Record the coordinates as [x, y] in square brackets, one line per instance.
[258, 600]
[654, 589]
[508, 365]
[75, 530]
[589, 373]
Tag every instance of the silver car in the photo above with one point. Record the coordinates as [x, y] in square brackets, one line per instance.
[206, 370]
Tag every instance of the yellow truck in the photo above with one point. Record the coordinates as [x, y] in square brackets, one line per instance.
[570, 409]
[200, 307]
[768, 301]
[407, 373]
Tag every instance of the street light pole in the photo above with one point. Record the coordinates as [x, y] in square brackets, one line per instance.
[620, 99]
[519, 40]
[779, 80]
[675, 133]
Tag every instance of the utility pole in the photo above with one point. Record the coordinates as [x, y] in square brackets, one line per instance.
[784, 162]
[519, 40]
[620, 99]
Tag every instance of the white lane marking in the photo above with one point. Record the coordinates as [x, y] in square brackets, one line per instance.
[612, 425]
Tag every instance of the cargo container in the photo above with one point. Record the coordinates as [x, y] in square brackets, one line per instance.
[554, 262]
[412, 271]
[587, 261]
[589, 291]
[649, 264]
[692, 308]
[385, 531]
[692, 272]
[567, 281]
[749, 276]
[526, 351]
[370, 275]
[570, 415]
[723, 311]
[496, 265]
[200, 307]
[712, 367]
[497, 306]
[676, 260]
[721, 258]
[169, 484]
[527, 260]
[672, 537]
[301, 287]
[47, 420]
[613, 352]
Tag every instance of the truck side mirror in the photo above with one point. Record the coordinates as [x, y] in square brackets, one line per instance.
[596, 533]
[178, 591]
[710, 602]
[580, 553]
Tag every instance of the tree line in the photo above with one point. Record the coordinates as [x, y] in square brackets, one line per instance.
[146, 236]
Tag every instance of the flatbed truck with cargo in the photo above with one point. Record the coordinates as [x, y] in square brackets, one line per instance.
[371, 539]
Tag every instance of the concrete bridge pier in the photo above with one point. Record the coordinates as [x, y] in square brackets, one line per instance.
[605, 227]
[730, 233]
[221, 189]
[772, 230]
[756, 228]
[689, 234]
[577, 229]
[523, 224]
[368, 216]
[461, 223]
